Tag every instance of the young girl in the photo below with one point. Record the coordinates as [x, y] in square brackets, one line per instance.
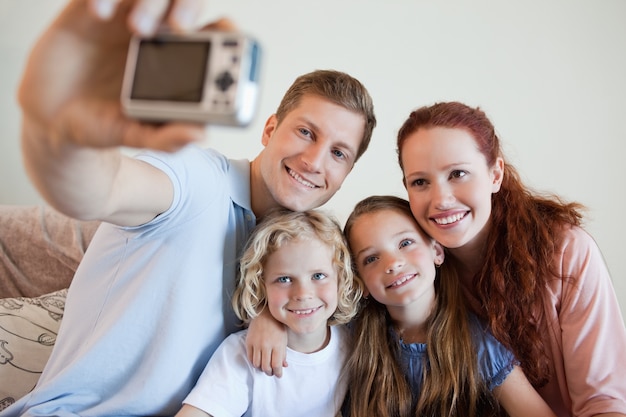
[523, 261]
[296, 265]
[417, 352]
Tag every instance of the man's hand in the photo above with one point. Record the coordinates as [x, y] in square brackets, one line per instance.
[72, 122]
[72, 83]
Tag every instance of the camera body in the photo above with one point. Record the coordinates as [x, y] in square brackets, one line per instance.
[206, 77]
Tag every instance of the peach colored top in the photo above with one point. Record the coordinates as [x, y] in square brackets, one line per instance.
[586, 337]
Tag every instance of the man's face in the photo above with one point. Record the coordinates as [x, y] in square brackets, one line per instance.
[307, 156]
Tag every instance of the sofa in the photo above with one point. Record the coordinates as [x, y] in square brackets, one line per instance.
[40, 250]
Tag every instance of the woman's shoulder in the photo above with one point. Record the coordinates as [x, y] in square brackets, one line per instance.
[575, 248]
[574, 235]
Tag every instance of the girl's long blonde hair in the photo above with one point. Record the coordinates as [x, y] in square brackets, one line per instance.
[452, 385]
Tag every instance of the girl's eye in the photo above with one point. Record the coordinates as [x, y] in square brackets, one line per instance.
[283, 279]
[369, 260]
[405, 242]
[319, 276]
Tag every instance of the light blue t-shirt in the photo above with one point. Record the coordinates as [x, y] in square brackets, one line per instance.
[149, 305]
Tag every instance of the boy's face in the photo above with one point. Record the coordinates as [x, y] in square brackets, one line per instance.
[307, 157]
[301, 285]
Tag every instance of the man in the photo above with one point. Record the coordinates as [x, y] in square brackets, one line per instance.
[150, 301]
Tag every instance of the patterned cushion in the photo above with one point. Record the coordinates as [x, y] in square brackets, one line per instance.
[28, 330]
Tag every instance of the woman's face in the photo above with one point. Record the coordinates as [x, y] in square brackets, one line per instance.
[449, 184]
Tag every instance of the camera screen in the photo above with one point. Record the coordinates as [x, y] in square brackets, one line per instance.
[170, 71]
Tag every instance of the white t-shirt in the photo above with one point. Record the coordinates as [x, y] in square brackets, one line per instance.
[310, 387]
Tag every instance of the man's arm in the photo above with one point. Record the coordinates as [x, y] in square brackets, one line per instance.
[72, 124]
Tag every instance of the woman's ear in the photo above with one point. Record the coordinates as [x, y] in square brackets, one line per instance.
[497, 174]
[439, 253]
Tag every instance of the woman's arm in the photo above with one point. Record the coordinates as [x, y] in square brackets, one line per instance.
[518, 397]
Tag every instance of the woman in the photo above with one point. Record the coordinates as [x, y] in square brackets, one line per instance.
[524, 263]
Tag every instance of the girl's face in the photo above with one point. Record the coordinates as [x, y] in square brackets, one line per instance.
[302, 286]
[450, 185]
[394, 259]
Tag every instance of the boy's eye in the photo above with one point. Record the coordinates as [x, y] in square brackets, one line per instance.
[319, 276]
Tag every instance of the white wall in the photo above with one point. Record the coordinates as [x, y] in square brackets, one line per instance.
[551, 75]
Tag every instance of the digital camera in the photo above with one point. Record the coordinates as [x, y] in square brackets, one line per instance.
[207, 77]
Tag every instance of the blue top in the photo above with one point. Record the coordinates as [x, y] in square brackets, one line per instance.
[150, 304]
[495, 361]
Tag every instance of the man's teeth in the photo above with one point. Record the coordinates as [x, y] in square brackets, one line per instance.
[450, 219]
[301, 180]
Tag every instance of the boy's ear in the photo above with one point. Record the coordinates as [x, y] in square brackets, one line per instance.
[439, 253]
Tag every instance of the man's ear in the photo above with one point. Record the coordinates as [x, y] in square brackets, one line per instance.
[268, 130]
[497, 174]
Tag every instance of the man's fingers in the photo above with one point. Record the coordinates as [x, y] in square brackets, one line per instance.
[169, 137]
[147, 15]
[188, 15]
[103, 9]
[223, 24]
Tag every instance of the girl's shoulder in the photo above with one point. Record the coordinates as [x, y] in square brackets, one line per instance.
[495, 361]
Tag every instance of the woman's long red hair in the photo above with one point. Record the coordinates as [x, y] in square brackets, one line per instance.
[520, 245]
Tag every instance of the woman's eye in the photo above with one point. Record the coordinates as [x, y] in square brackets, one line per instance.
[420, 182]
[339, 154]
[458, 173]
